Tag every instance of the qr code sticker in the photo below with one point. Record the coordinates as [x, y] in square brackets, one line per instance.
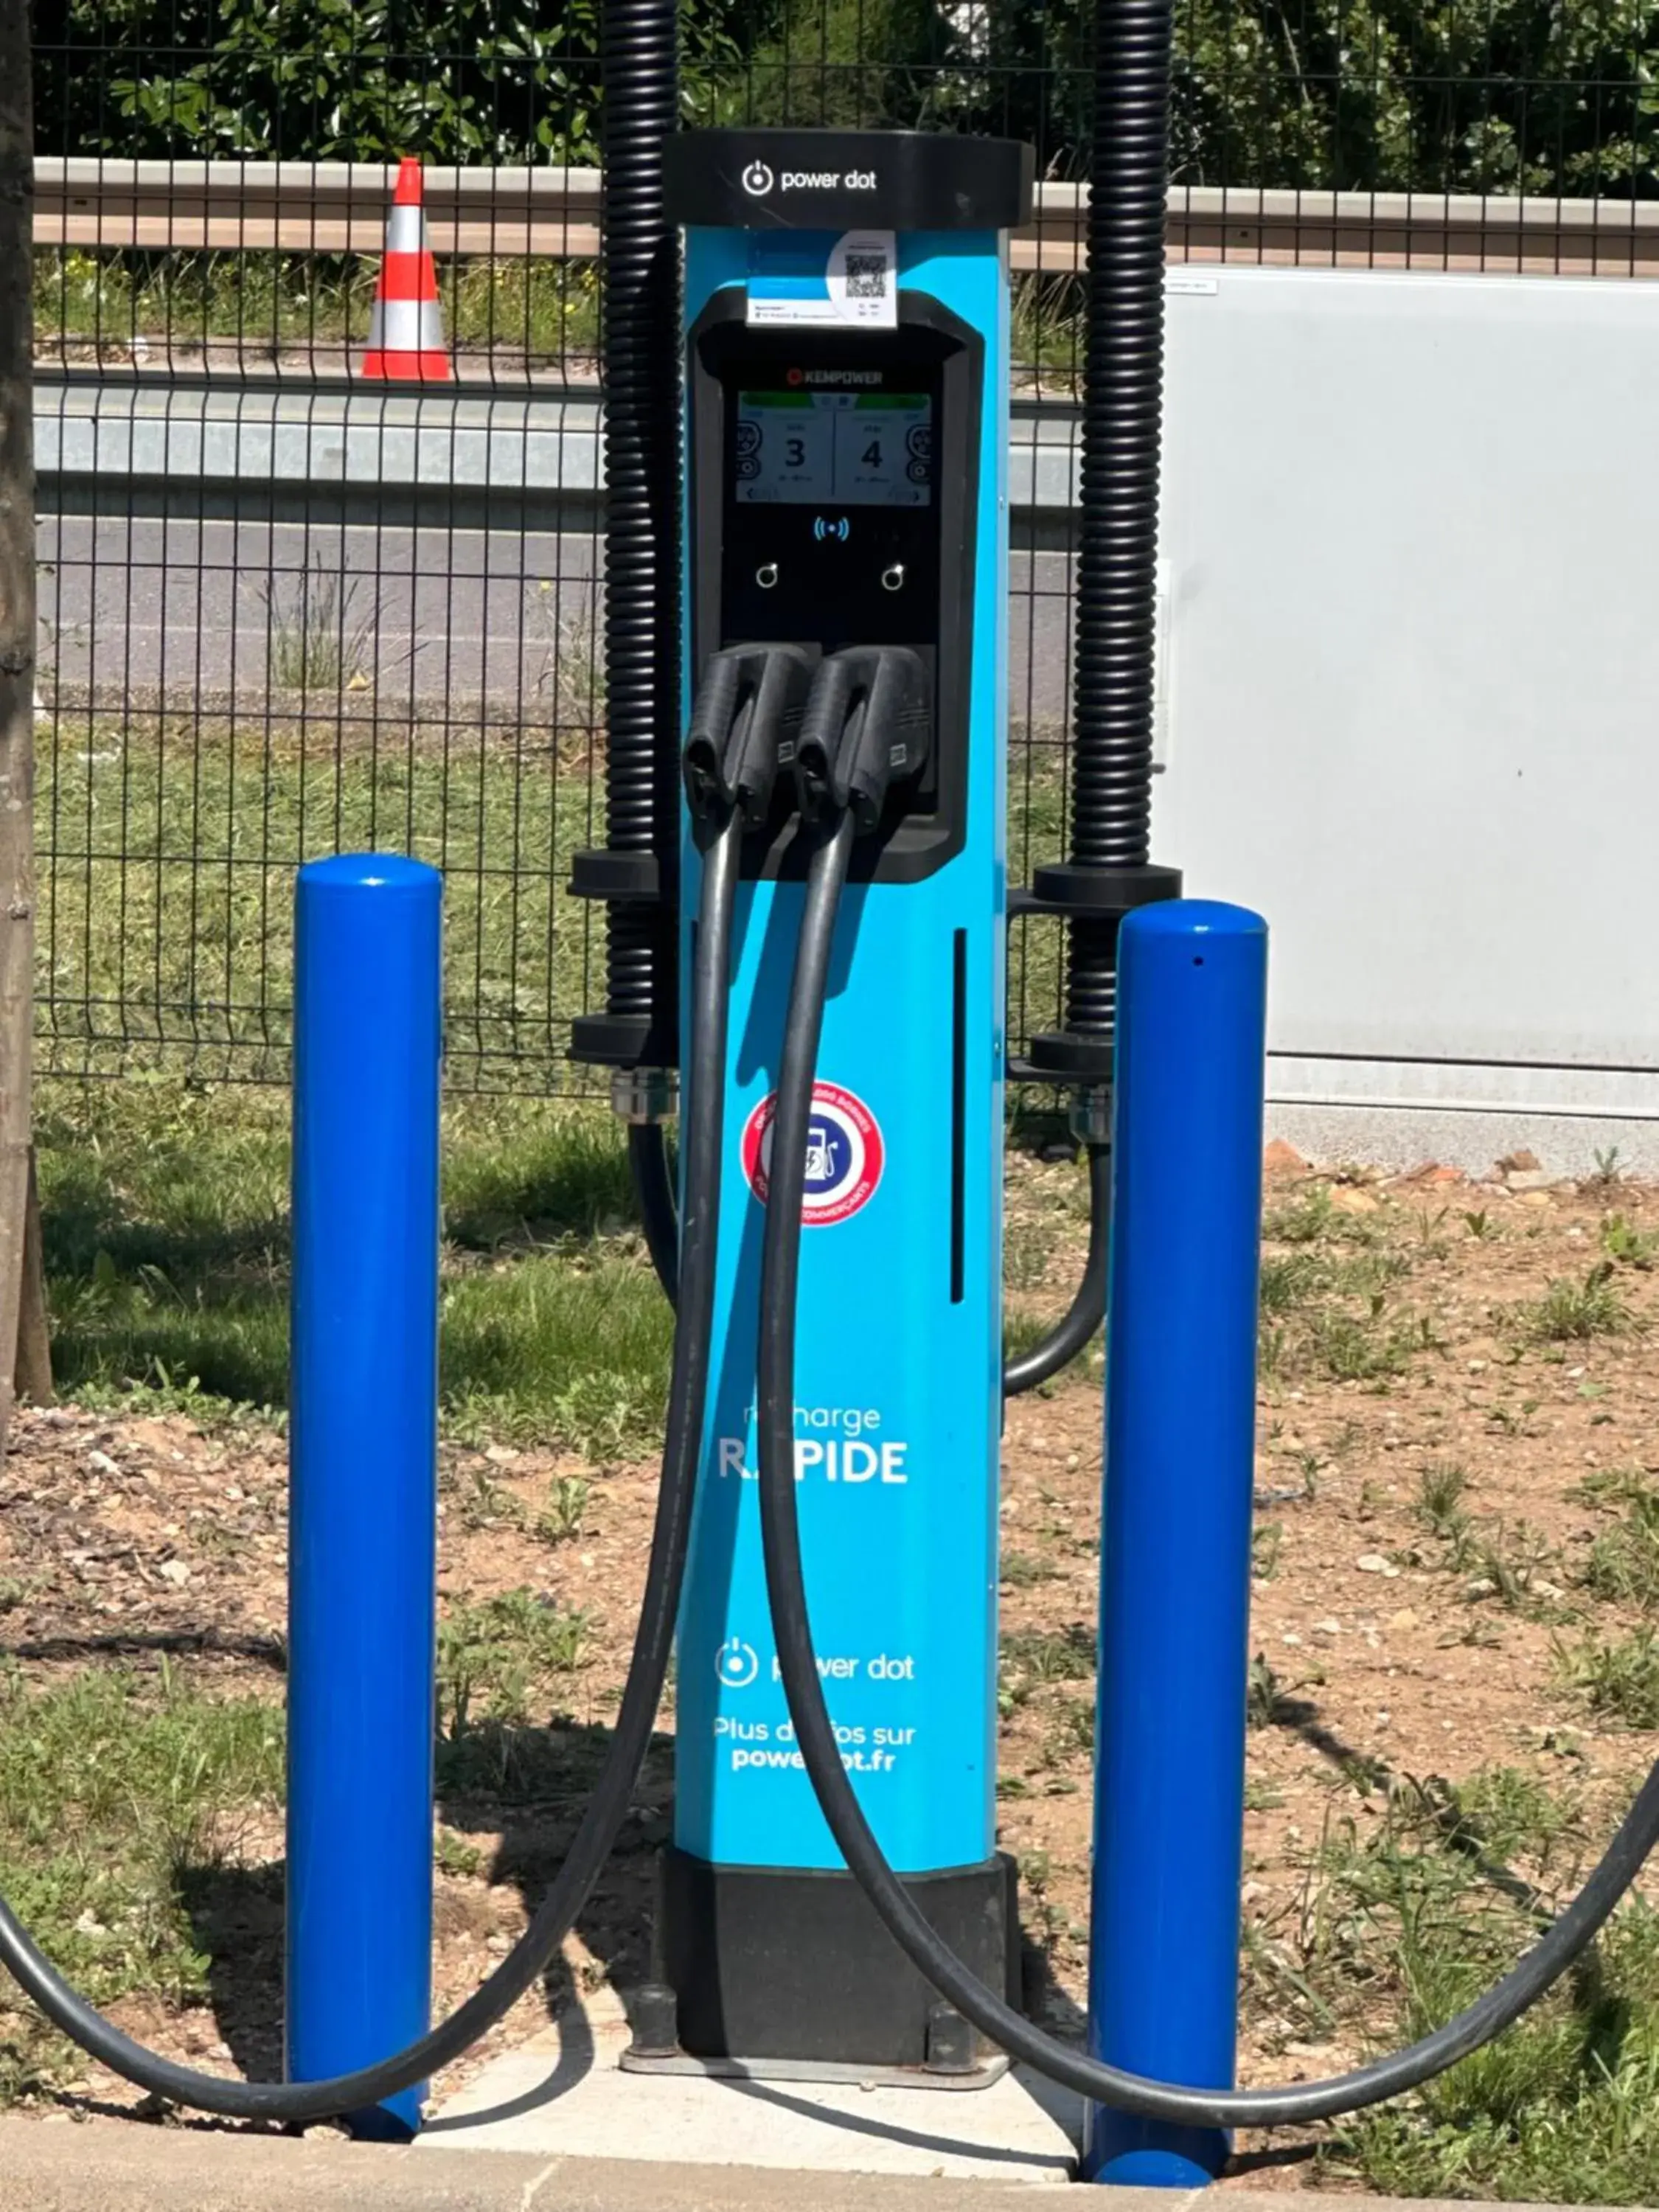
[866, 276]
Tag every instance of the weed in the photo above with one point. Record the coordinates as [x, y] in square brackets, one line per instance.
[1480, 1224]
[1624, 1560]
[1440, 1488]
[1290, 1279]
[1621, 1240]
[1363, 1348]
[1034, 1869]
[1428, 1227]
[1020, 1570]
[1506, 1813]
[1266, 1539]
[1559, 2109]
[1507, 1422]
[453, 1855]
[1264, 1697]
[168, 1255]
[1609, 1173]
[1614, 1487]
[1619, 1679]
[1569, 1311]
[1026, 1251]
[1034, 1658]
[1072, 1730]
[565, 1514]
[483, 1503]
[1304, 1220]
[495, 1656]
[314, 642]
[1045, 1655]
[546, 310]
[571, 681]
[1510, 1561]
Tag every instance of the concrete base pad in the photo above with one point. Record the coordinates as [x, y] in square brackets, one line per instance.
[57, 2165]
[564, 2095]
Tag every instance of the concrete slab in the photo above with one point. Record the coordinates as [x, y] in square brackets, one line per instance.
[59, 2165]
[563, 2095]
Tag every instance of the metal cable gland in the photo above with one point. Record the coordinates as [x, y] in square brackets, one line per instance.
[644, 1095]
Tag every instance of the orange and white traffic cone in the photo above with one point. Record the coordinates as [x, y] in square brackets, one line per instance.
[406, 325]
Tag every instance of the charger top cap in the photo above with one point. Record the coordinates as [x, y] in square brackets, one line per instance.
[833, 180]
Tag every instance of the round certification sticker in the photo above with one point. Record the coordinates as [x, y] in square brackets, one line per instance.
[844, 1154]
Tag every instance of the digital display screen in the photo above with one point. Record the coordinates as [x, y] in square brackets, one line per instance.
[835, 449]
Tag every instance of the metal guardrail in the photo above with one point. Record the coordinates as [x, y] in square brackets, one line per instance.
[339, 207]
[363, 441]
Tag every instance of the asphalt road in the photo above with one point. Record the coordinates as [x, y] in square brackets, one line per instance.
[420, 616]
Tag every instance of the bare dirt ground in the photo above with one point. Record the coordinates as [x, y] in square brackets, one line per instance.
[1388, 1649]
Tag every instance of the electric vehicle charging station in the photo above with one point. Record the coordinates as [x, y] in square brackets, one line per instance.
[827, 913]
[847, 434]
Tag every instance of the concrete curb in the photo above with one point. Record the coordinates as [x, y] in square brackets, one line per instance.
[111, 2166]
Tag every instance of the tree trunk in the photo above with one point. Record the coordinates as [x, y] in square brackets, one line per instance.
[17, 623]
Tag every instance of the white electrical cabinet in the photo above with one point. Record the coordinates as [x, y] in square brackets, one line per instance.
[1410, 695]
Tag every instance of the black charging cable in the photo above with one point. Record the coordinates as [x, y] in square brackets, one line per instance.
[1081, 1322]
[815, 1738]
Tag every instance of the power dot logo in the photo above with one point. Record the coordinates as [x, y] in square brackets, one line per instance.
[845, 1155]
[758, 180]
[736, 1663]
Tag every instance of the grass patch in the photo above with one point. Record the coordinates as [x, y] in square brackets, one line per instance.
[1367, 1347]
[169, 850]
[1403, 1924]
[1572, 1311]
[167, 1261]
[501, 1662]
[1324, 1303]
[1624, 1560]
[1508, 1564]
[117, 1795]
[1022, 1569]
[318, 637]
[1438, 1505]
[1033, 1659]
[1622, 1240]
[105, 301]
[1616, 1677]
[166, 910]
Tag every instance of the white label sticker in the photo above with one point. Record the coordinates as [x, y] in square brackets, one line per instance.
[864, 278]
[857, 285]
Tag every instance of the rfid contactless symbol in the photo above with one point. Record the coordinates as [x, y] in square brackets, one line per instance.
[758, 180]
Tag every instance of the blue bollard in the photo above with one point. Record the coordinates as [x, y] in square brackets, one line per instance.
[1175, 1540]
[362, 1437]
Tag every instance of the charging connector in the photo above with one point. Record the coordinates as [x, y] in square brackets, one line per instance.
[745, 722]
[868, 725]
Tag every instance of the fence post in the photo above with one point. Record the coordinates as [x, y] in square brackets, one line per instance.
[1176, 1537]
[363, 1469]
[17, 678]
